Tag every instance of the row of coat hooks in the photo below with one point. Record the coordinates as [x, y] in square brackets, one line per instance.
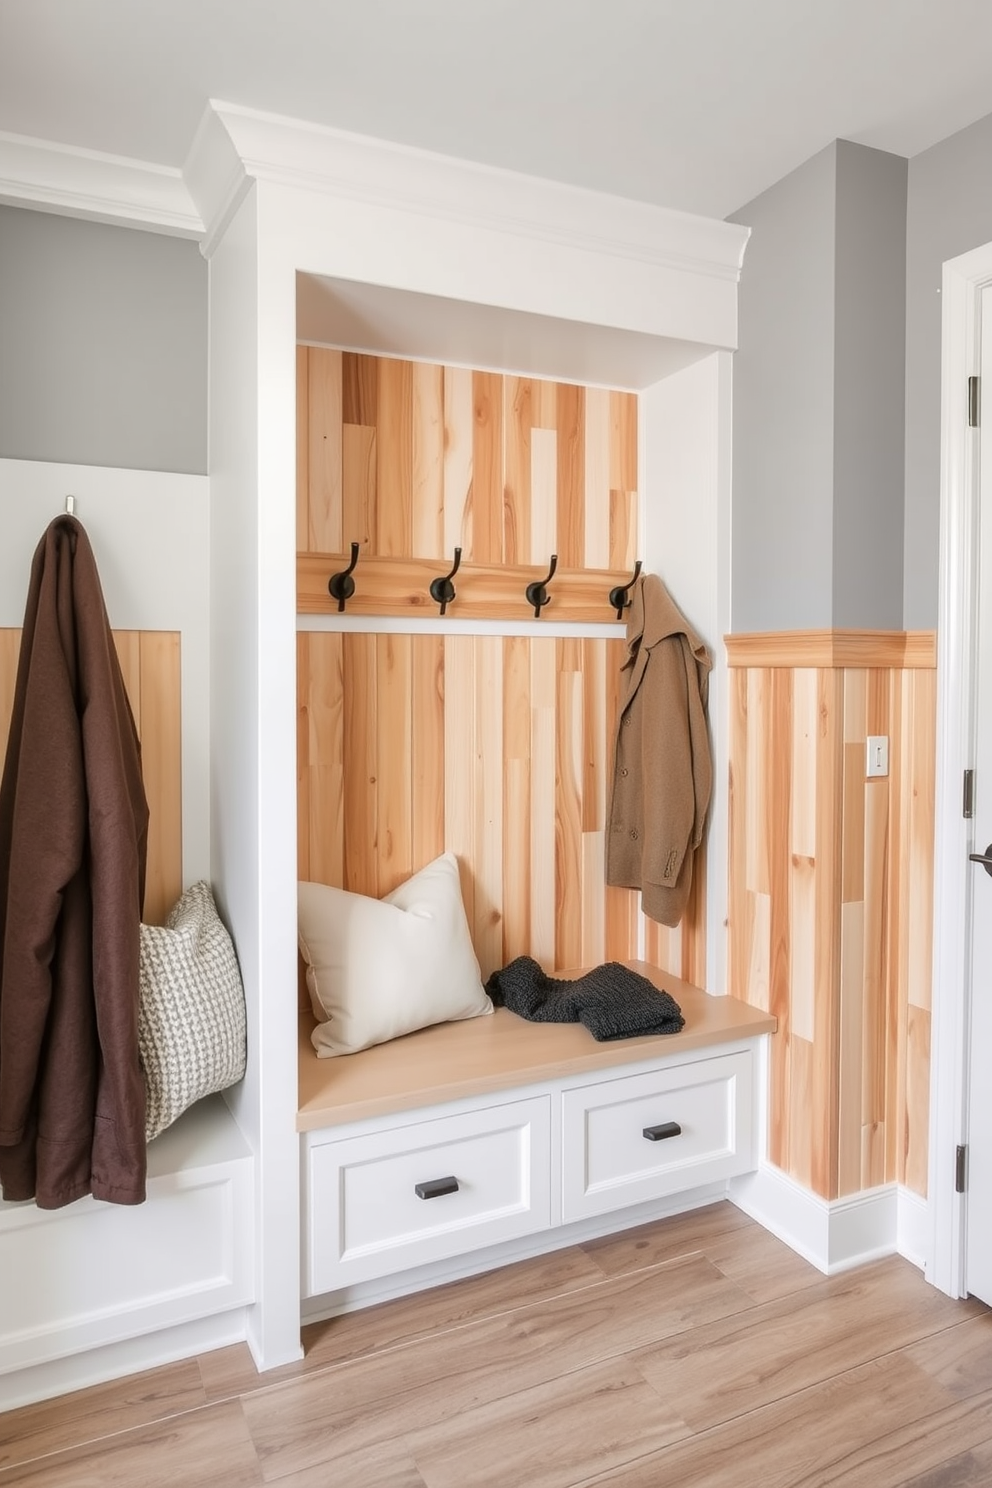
[341, 586]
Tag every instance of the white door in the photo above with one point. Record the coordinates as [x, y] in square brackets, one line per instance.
[978, 1224]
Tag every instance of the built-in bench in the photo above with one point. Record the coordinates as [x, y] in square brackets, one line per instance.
[470, 1143]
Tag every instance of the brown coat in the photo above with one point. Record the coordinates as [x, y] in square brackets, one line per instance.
[73, 835]
[663, 773]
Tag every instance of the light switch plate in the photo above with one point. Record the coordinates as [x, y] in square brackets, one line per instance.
[877, 762]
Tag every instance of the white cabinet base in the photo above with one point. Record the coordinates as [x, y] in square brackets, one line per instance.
[537, 1168]
[95, 1290]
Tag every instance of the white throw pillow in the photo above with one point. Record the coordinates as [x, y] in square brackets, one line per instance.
[379, 968]
[192, 1028]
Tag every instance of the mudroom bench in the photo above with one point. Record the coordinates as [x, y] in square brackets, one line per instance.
[470, 1144]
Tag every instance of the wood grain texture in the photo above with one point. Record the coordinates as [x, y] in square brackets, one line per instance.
[496, 749]
[833, 648]
[831, 907]
[478, 1056]
[412, 460]
[322, 440]
[696, 1350]
[401, 587]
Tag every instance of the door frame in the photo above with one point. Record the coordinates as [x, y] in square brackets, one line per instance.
[963, 280]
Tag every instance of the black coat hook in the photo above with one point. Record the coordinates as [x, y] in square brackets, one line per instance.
[620, 596]
[537, 593]
[442, 589]
[341, 586]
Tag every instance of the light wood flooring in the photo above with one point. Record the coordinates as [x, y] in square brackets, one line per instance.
[694, 1351]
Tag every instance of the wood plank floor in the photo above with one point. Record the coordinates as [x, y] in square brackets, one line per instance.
[694, 1351]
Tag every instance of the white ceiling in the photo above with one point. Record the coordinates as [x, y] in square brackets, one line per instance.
[695, 104]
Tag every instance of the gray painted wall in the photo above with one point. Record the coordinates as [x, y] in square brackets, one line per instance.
[869, 404]
[818, 398]
[949, 212]
[103, 345]
[782, 520]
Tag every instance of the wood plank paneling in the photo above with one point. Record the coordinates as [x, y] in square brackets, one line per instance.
[845, 897]
[412, 460]
[323, 445]
[497, 749]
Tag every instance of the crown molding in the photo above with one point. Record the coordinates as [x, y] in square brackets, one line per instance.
[234, 145]
[102, 188]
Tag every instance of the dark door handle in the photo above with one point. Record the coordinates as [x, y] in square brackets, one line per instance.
[659, 1133]
[984, 858]
[435, 1187]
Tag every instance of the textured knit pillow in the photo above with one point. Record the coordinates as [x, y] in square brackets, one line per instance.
[379, 968]
[192, 1029]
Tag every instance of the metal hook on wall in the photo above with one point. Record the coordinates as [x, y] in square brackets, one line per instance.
[442, 589]
[70, 506]
[620, 596]
[537, 593]
[341, 586]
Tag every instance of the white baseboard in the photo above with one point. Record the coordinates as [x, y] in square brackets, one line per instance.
[114, 1360]
[914, 1230]
[833, 1234]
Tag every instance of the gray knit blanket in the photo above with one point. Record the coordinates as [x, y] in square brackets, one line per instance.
[612, 1001]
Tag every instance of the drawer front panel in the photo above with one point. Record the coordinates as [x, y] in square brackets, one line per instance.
[485, 1174]
[699, 1115]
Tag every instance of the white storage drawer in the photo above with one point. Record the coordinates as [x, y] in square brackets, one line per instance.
[609, 1162]
[366, 1218]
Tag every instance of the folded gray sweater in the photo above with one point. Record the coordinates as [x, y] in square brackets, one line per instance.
[612, 1001]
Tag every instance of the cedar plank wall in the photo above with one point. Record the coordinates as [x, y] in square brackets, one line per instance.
[831, 896]
[495, 747]
[150, 663]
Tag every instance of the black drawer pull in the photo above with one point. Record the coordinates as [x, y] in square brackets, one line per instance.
[436, 1187]
[659, 1133]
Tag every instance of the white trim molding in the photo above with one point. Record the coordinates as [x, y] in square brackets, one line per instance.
[832, 1234]
[233, 142]
[963, 279]
[102, 188]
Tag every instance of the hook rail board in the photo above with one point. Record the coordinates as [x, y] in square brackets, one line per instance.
[402, 586]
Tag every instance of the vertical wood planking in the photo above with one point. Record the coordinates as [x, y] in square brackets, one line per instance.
[428, 460]
[623, 480]
[848, 1105]
[543, 691]
[823, 1093]
[321, 690]
[427, 745]
[324, 450]
[517, 424]
[568, 805]
[460, 748]
[394, 757]
[517, 811]
[161, 766]
[487, 468]
[487, 845]
[394, 459]
[303, 448]
[359, 389]
[359, 490]
[457, 472]
[360, 765]
[596, 503]
[304, 812]
[543, 495]
[776, 791]
[571, 475]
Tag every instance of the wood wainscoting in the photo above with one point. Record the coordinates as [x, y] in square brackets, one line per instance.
[831, 895]
[150, 662]
[498, 748]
